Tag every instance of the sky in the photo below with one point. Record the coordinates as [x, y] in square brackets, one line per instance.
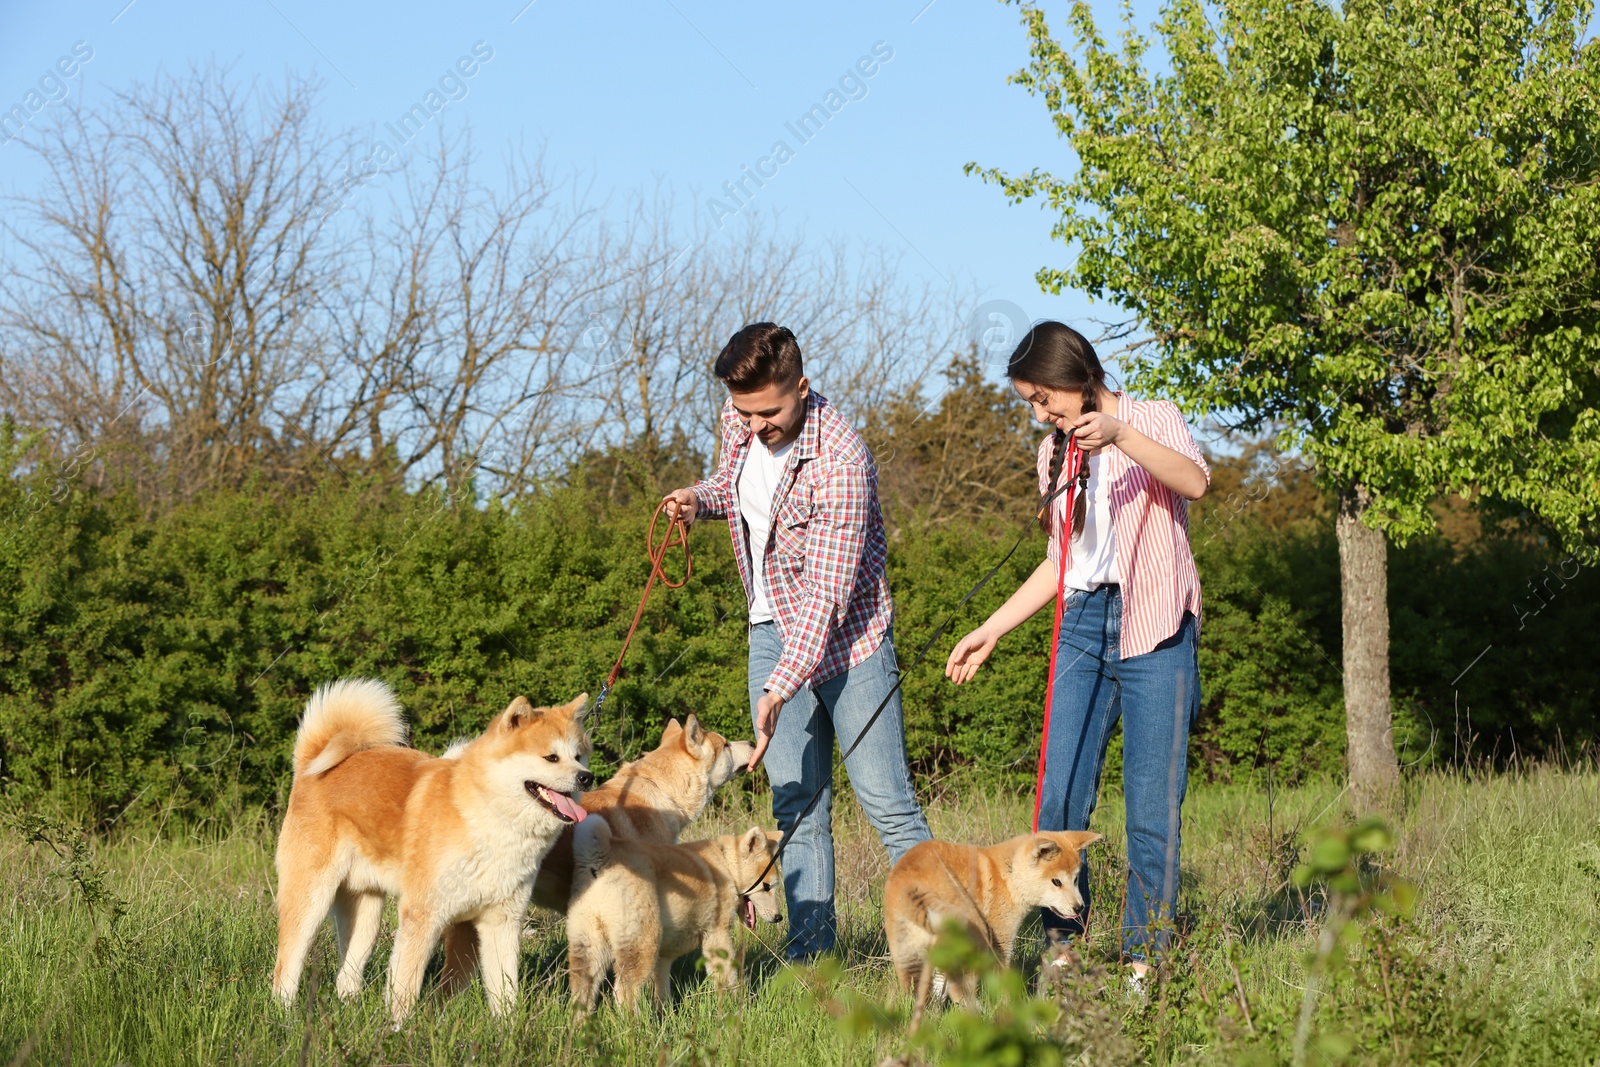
[682, 95]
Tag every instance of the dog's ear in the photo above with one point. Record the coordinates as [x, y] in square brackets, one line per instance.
[574, 707]
[1042, 849]
[673, 727]
[753, 841]
[1078, 840]
[694, 736]
[775, 838]
[518, 714]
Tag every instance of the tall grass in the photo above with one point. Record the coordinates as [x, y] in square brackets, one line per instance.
[153, 946]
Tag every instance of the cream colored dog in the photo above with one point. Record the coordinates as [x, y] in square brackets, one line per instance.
[650, 799]
[640, 906]
[988, 891]
[454, 839]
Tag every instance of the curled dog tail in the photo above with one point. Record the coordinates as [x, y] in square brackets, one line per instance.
[341, 719]
[591, 845]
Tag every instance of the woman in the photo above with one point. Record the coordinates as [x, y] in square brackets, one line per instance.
[1127, 602]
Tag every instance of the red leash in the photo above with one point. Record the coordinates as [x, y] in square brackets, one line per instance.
[677, 535]
[1073, 453]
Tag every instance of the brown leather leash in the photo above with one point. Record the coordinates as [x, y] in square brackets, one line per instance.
[676, 536]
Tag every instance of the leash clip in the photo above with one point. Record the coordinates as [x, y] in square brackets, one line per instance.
[594, 709]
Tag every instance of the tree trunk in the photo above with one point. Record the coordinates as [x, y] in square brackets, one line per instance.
[1374, 774]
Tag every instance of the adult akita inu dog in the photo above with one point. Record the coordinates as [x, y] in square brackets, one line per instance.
[988, 891]
[649, 799]
[454, 839]
[640, 906]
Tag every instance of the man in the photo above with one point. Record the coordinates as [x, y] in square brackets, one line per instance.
[800, 492]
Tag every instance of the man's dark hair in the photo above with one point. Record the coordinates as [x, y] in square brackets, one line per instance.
[757, 356]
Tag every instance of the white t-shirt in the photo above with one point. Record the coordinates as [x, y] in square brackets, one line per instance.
[1094, 553]
[758, 481]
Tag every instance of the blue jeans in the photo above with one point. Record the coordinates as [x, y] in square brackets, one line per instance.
[800, 761]
[1157, 696]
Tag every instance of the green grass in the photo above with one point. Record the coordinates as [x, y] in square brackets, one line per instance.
[155, 947]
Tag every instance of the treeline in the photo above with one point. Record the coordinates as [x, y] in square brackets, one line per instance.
[209, 286]
[161, 658]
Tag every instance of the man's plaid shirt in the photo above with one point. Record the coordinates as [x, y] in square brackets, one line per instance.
[825, 559]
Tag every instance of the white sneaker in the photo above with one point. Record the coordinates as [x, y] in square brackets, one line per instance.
[1057, 963]
[1138, 984]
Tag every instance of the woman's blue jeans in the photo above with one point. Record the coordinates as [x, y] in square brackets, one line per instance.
[1157, 696]
[800, 761]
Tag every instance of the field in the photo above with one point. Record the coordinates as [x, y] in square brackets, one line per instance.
[154, 946]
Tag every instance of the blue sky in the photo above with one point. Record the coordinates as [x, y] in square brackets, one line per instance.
[674, 94]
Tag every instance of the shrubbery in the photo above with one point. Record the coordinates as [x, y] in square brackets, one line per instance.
[163, 659]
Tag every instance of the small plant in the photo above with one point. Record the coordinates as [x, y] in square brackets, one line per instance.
[1092, 999]
[89, 880]
[1341, 864]
[1008, 1026]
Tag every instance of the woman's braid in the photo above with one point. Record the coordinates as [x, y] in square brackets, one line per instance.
[1058, 456]
[1080, 506]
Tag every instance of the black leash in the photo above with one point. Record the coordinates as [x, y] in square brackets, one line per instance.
[1044, 506]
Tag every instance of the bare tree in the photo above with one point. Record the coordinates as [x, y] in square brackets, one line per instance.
[199, 296]
[157, 295]
[504, 275]
[865, 333]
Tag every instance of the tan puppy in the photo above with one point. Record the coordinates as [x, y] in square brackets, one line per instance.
[640, 906]
[454, 839]
[989, 891]
[651, 798]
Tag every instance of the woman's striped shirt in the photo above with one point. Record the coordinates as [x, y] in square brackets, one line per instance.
[1154, 560]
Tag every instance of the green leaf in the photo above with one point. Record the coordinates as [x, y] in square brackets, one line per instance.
[1371, 835]
[1330, 854]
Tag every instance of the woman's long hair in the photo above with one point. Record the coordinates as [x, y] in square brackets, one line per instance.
[1056, 356]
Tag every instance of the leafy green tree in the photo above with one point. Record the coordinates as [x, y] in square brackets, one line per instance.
[953, 455]
[1375, 222]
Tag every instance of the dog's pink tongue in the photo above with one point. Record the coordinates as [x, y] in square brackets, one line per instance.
[749, 913]
[568, 807]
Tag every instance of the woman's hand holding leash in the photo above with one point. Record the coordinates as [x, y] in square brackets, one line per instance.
[1095, 430]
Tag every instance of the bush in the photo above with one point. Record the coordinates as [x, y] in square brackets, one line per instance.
[164, 659]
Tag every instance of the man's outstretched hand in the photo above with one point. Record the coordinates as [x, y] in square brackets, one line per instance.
[682, 504]
[767, 709]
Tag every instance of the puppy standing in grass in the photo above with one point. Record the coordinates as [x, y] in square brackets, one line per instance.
[650, 799]
[988, 891]
[640, 906]
[454, 839]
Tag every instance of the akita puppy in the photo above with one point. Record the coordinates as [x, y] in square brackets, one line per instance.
[640, 906]
[989, 891]
[456, 840]
[651, 799]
